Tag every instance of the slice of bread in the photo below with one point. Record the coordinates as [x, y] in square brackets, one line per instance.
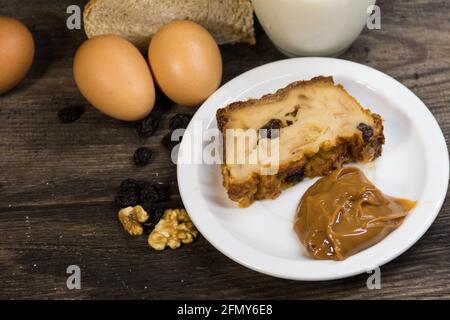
[229, 21]
[320, 127]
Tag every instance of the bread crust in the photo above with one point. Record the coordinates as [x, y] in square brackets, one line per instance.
[87, 10]
[239, 28]
[222, 113]
[327, 159]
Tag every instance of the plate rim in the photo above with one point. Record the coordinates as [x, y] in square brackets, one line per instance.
[185, 187]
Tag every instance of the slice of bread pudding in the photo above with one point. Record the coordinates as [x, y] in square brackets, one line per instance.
[310, 127]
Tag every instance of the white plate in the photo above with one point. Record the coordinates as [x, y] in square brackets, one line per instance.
[414, 165]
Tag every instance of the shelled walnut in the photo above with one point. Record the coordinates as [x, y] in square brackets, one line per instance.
[174, 228]
[132, 219]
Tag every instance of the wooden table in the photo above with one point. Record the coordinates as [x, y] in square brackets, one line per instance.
[57, 182]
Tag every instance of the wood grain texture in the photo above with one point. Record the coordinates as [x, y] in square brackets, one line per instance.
[57, 182]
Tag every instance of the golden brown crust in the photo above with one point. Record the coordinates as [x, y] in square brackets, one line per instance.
[232, 27]
[86, 12]
[222, 114]
[269, 187]
[327, 159]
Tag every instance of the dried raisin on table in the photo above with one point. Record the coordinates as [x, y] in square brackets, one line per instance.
[70, 114]
[128, 194]
[133, 192]
[154, 215]
[130, 185]
[147, 127]
[127, 199]
[142, 156]
[153, 193]
[180, 121]
[168, 142]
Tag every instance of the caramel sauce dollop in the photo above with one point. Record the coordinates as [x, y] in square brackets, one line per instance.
[344, 213]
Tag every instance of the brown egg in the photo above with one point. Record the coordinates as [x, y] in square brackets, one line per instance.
[16, 53]
[114, 77]
[186, 62]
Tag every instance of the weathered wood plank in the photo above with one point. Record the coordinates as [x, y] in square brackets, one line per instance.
[57, 181]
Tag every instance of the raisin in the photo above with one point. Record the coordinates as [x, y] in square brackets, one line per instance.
[128, 193]
[130, 185]
[133, 192]
[142, 156]
[367, 131]
[147, 127]
[70, 114]
[180, 121]
[154, 215]
[294, 112]
[271, 130]
[168, 142]
[153, 193]
[296, 177]
[127, 199]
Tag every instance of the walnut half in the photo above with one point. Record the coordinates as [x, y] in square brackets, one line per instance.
[132, 219]
[174, 228]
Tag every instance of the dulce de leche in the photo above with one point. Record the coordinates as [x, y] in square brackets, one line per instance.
[344, 213]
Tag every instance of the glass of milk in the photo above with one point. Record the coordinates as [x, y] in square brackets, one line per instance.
[312, 27]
